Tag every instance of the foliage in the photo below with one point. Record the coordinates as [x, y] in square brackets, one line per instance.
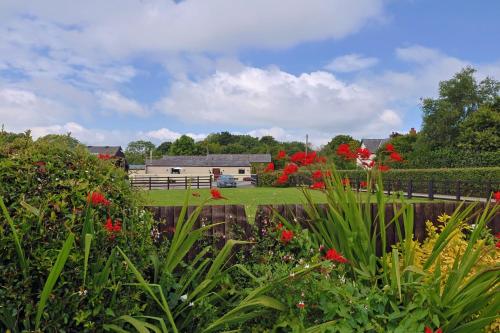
[329, 150]
[184, 145]
[138, 151]
[481, 130]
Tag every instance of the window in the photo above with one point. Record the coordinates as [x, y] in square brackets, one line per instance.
[175, 171]
[241, 171]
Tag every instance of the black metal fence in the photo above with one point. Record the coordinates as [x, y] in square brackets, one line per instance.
[167, 182]
[254, 179]
[443, 189]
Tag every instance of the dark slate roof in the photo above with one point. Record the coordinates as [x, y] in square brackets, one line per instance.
[105, 150]
[373, 144]
[236, 160]
[136, 167]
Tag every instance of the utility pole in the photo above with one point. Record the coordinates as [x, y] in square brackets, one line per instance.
[307, 142]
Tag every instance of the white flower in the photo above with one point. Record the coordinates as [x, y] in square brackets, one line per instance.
[191, 304]
[82, 292]
[184, 297]
[292, 274]
[306, 266]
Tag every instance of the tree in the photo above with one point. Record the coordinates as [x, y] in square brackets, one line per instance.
[184, 145]
[481, 130]
[59, 139]
[163, 149]
[138, 151]
[330, 150]
[459, 98]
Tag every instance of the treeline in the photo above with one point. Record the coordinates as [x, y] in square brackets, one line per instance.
[460, 128]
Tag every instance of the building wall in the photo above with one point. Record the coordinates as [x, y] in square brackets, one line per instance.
[136, 172]
[198, 171]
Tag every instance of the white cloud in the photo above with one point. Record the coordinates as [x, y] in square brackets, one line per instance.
[114, 101]
[351, 63]
[164, 134]
[255, 97]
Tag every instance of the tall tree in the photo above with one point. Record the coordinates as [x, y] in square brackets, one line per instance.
[138, 151]
[163, 149]
[185, 145]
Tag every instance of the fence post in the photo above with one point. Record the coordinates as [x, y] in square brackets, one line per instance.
[389, 188]
[168, 183]
[185, 182]
[210, 185]
[431, 190]
[458, 190]
[149, 182]
[198, 182]
[410, 189]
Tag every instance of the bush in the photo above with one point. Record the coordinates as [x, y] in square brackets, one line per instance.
[44, 186]
[451, 158]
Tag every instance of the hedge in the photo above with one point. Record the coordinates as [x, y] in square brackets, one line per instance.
[473, 181]
[451, 158]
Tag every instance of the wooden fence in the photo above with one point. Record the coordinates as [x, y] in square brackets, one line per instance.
[167, 182]
[236, 220]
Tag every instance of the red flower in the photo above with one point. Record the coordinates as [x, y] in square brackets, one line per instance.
[496, 195]
[97, 198]
[383, 168]
[283, 179]
[279, 226]
[389, 147]
[118, 226]
[364, 153]
[345, 181]
[310, 158]
[321, 159]
[290, 169]
[497, 235]
[429, 330]
[335, 256]
[286, 236]
[216, 194]
[269, 167]
[39, 163]
[317, 186]
[301, 305]
[109, 225]
[363, 183]
[317, 174]
[498, 245]
[344, 150]
[395, 157]
[298, 157]
[281, 155]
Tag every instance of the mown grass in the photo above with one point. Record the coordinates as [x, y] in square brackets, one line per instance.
[249, 197]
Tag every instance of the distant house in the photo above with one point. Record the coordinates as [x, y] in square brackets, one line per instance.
[136, 169]
[112, 152]
[372, 145]
[237, 165]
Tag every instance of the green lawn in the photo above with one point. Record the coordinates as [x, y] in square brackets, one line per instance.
[250, 197]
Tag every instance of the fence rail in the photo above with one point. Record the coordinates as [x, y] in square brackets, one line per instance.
[235, 218]
[167, 182]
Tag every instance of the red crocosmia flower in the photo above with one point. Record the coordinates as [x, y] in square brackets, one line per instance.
[328, 173]
[364, 153]
[498, 245]
[196, 194]
[269, 167]
[317, 174]
[118, 226]
[290, 169]
[97, 198]
[109, 225]
[286, 236]
[281, 155]
[335, 256]
[496, 195]
[395, 157]
[346, 181]
[497, 235]
[389, 147]
[363, 183]
[216, 194]
[429, 330]
[310, 158]
[344, 150]
[321, 159]
[317, 186]
[279, 226]
[301, 305]
[298, 157]
[383, 168]
[282, 179]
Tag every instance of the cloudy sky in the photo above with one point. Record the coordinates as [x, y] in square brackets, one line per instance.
[119, 70]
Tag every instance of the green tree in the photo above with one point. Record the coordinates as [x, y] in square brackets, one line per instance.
[138, 151]
[59, 139]
[163, 149]
[481, 130]
[185, 145]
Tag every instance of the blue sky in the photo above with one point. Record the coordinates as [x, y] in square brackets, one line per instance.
[119, 70]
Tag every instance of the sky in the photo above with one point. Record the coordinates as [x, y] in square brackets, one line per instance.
[114, 71]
